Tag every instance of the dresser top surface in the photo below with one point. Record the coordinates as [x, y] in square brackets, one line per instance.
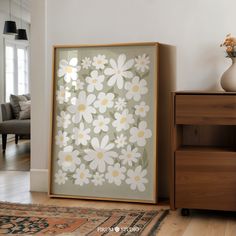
[199, 92]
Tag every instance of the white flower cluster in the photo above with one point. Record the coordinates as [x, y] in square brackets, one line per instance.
[86, 121]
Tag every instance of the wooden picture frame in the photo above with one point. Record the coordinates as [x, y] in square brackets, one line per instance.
[104, 122]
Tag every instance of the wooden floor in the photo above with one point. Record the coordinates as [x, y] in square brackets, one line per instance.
[14, 187]
[16, 157]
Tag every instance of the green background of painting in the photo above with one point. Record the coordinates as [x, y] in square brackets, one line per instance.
[108, 190]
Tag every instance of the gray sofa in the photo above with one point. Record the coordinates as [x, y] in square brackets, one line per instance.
[11, 125]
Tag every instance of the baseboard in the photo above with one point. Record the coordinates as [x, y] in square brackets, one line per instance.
[39, 180]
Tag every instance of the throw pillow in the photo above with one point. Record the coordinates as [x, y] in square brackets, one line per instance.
[14, 100]
[25, 110]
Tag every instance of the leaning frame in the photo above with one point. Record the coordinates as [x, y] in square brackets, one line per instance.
[52, 161]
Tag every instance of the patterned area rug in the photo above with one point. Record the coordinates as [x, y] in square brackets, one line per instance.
[26, 219]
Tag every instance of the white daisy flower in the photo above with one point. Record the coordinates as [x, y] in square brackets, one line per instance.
[123, 120]
[99, 62]
[129, 155]
[120, 141]
[141, 109]
[69, 70]
[78, 84]
[63, 95]
[81, 107]
[60, 177]
[101, 154]
[82, 175]
[62, 139]
[98, 179]
[63, 120]
[119, 71]
[140, 134]
[136, 88]
[120, 104]
[115, 174]
[101, 124]
[68, 159]
[104, 101]
[86, 63]
[142, 62]
[94, 81]
[81, 135]
[136, 179]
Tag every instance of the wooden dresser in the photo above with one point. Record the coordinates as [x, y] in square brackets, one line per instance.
[203, 159]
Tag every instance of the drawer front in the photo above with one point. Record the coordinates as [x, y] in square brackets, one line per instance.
[205, 109]
[205, 180]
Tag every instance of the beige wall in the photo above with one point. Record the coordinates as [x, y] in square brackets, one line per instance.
[196, 28]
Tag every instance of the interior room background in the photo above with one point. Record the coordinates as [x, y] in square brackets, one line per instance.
[195, 28]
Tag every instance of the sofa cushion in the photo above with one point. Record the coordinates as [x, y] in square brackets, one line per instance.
[15, 127]
[14, 100]
[24, 110]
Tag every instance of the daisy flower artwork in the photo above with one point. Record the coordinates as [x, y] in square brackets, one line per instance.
[104, 122]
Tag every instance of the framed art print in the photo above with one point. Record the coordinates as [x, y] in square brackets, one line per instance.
[104, 122]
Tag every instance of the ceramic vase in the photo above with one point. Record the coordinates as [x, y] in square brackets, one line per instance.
[228, 79]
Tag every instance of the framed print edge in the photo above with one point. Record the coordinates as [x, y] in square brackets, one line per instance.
[154, 199]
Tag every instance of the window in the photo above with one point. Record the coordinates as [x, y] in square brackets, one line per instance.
[16, 69]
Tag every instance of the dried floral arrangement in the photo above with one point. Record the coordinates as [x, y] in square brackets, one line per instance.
[230, 44]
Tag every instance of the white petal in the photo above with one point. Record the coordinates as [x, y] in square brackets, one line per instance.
[60, 72]
[120, 83]
[95, 143]
[113, 64]
[93, 165]
[90, 99]
[73, 62]
[112, 80]
[74, 76]
[109, 71]
[90, 88]
[121, 60]
[141, 187]
[127, 74]
[101, 166]
[104, 141]
[142, 125]
[128, 64]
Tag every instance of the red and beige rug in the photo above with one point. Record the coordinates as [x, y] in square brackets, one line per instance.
[26, 219]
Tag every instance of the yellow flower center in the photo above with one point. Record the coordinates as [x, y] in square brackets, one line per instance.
[68, 158]
[140, 134]
[141, 109]
[61, 138]
[135, 88]
[101, 124]
[123, 120]
[68, 69]
[82, 175]
[63, 93]
[94, 81]
[115, 173]
[104, 102]
[137, 178]
[99, 61]
[81, 108]
[129, 155]
[100, 155]
[81, 136]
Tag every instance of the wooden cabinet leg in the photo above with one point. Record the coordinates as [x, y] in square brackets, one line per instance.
[185, 212]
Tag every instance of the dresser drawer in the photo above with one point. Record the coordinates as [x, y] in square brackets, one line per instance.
[205, 109]
[205, 180]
